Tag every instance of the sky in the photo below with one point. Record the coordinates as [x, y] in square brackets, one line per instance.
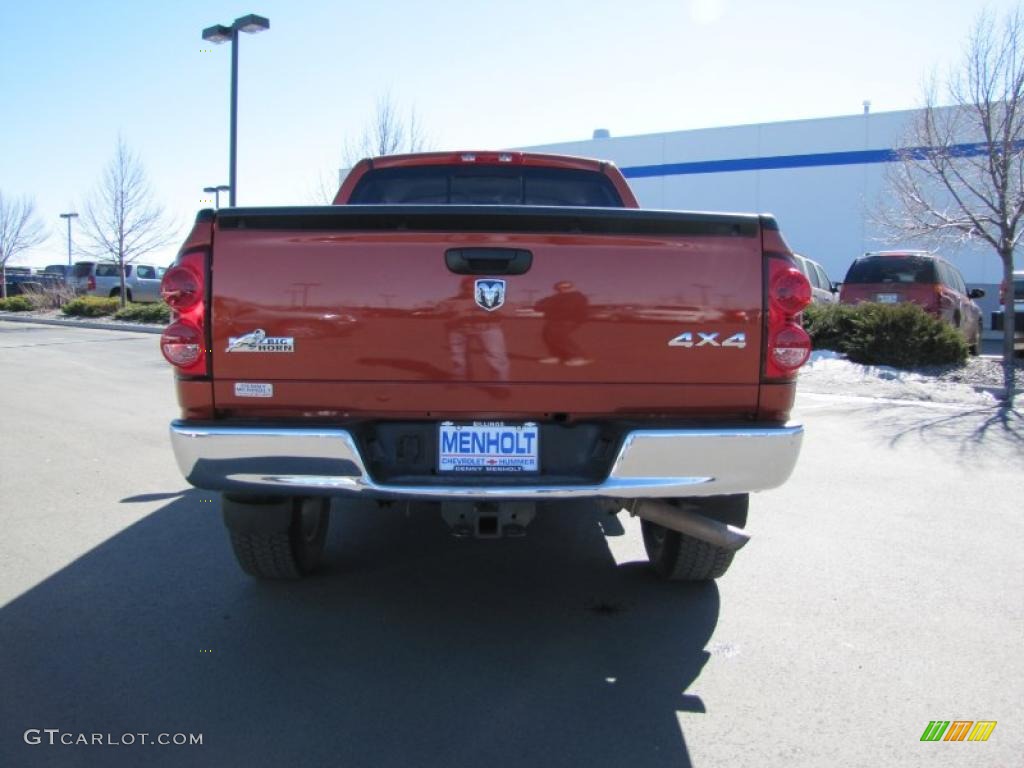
[479, 75]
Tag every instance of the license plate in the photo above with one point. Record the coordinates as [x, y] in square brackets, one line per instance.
[488, 447]
[888, 298]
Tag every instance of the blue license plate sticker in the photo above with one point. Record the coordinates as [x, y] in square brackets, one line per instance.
[485, 446]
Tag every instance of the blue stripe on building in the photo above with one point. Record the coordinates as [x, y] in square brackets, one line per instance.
[860, 157]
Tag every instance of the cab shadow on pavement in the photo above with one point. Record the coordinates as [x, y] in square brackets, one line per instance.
[408, 648]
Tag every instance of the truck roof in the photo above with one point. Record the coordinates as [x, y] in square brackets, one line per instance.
[487, 157]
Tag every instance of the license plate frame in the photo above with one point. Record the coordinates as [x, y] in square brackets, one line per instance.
[488, 447]
[887, 298]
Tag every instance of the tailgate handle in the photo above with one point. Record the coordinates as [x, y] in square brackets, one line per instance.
[488, 261]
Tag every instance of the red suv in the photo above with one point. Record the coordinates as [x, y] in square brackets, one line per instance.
[891, 277]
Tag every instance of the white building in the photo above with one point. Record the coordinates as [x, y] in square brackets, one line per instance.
[820, 178]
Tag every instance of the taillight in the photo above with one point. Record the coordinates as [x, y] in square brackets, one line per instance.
[790, 291]
[788, 345]
[181, 288]
[182, 344]
[184, 341]
[90, 284]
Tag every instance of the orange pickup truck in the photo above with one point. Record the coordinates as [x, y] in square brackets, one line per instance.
[486, 332]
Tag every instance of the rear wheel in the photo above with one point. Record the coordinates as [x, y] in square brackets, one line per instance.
[677, 557]
[277, 538]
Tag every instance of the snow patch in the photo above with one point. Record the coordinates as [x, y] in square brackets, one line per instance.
[829, 372]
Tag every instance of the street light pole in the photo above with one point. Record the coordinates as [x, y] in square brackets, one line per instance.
[250, 24]
[233, 168]
[69, 217]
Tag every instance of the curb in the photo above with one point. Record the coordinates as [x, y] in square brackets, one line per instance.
[133, 327]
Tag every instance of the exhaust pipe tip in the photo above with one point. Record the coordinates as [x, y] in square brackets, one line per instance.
[690, 523]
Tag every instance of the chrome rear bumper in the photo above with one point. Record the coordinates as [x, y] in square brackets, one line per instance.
[651, 463]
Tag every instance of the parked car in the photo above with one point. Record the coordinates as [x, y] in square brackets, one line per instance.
[1017, 297]
[63, 271]
[823, 290]
[926, 279]
[101, 278]
[22, 280]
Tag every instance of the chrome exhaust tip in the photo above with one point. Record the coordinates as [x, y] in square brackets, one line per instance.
[690, 523]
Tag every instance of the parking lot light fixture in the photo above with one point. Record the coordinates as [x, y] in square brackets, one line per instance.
[252, 24]
[219, 33]
[215, 191]
[69, 216]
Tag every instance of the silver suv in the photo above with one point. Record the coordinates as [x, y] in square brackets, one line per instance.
[101, 278]
[823, 290]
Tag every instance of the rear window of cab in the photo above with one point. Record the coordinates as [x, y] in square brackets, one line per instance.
[485, 185]
[892, 269]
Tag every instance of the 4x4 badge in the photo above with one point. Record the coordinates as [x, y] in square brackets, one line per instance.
[738, 340]
[490, 294]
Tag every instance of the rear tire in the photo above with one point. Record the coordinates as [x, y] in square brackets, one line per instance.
[677, 557]
[277, 538]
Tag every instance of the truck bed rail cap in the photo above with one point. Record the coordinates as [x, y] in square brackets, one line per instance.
[490, 218]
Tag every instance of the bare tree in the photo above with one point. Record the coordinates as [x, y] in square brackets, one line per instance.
[20, 229]
[323, 189]
[959, 172]
[387, 133]
[122, 221]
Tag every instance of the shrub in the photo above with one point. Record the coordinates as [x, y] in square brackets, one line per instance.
[17, 304]
[829, 324]
[900, 335]
[145, 313]
[904, 336]
[50, 296]
[91, 306]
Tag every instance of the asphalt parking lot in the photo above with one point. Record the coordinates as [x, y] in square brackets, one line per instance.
[883, 588]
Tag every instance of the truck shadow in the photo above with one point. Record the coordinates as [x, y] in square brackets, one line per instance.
[410, 648]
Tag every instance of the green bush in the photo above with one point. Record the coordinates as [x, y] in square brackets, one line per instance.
[900, 335]
[91, 306]
[145, 313]
[17, 304]
[829, 324]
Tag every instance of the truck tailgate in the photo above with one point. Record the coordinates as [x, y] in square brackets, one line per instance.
[367, 297]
